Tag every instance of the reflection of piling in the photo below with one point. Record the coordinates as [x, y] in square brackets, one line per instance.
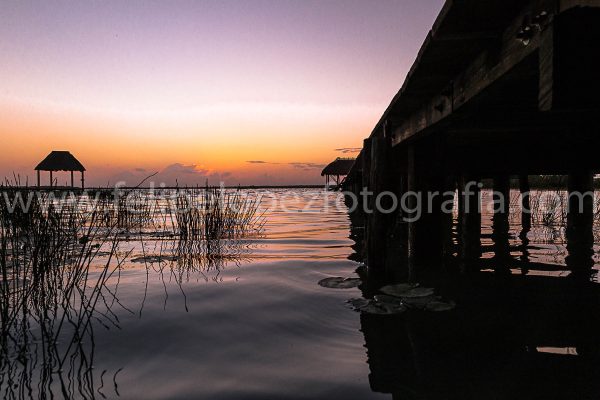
[580, 218]
[488, 345]
[389, 354]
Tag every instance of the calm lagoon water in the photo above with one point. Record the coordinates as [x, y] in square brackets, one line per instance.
[258, 326]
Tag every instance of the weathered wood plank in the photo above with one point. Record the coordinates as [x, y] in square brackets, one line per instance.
[488, 67]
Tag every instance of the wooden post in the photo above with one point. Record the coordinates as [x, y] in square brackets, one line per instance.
[426, 227]
[365, 184]
[378, 221]
[82, 180]
[525, 219]
[500, 226]
[72, 181]
[525, 202]
[366, 164]
[51, 179]
[411, 187]
[580, 219]
[448, 216]
[470, 211]
[38, 177]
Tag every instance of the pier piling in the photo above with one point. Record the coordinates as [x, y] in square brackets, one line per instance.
[580, 219]
[470, 211]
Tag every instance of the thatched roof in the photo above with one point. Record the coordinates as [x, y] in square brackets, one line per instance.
[341, 166]
[60, 161]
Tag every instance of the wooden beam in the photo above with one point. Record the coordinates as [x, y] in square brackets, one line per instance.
[486, 69]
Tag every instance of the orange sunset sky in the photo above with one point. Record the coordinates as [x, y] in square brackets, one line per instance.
[254, 92]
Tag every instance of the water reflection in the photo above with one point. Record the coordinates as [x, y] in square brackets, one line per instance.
[512, 340]
[186, 259]
[530, 334]
[47, 344]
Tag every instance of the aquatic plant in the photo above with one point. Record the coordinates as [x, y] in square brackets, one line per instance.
[50, 288]
[216, 214]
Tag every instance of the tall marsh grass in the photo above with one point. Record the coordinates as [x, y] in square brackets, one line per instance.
[215, 214]
[50, 287]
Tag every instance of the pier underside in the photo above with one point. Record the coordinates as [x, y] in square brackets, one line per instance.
[496, 96]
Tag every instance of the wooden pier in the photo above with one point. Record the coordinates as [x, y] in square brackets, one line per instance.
[499, 89]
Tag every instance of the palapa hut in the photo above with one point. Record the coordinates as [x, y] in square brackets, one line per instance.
[60, 161]
[337, 169]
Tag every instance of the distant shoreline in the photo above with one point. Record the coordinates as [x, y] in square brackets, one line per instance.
[92, 188]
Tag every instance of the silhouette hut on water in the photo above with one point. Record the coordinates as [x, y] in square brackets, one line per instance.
[337, 170]
[60, 161]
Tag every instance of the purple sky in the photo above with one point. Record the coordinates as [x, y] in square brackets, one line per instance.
[193, 69]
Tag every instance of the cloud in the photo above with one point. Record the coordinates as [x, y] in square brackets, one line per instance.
[178, 168]
[191, 175]
[347, 150]
[307, 166]
[262, 162]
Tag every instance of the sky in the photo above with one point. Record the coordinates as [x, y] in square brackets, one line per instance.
[253, 92]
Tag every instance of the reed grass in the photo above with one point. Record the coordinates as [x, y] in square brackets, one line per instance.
[216, 214]
[59, 259]
[49, 292]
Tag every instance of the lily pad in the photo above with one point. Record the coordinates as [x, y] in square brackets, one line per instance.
[340, 283]
[154, 259]
[374, 307]
[377, 307]
[384, 298]
[438, 306]
[418, 302]
[418, 292]
[397, 290]
[358, 303]
[392, 308]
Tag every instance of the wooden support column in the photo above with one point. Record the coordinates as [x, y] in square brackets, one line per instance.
[525, 219]
[38, 177]
[51, 179]
[447, 216]
[500, 226]
[72, 180]
[378, 219]
[580, 219]
[366, 164]
[364, 186]
[411, 188]
[425, 222]
[82, 180]
[470, 212]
